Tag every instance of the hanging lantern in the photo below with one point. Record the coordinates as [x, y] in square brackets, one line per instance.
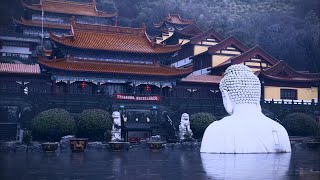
[83, 85]
[148, 88]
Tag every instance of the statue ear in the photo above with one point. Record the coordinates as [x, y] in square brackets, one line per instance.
[227, 103]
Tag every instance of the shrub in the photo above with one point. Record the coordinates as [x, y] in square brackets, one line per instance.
[52, 124]
[199, 122]
[93, 123]
[27, 137]
[107, 135]
[300, 124]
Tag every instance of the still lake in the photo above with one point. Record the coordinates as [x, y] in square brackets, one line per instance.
[145, 164]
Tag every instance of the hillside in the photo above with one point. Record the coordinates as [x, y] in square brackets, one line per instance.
[287, 29]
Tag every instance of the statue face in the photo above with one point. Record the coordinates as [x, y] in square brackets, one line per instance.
[116, 118]
[185, 117]
[227, 103]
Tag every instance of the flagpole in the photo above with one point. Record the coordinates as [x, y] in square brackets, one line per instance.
[42, 13]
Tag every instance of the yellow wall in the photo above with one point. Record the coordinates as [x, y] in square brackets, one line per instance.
[218, 59]
[158, 41]
[252, 63]
[164, 37]
[231, 52]
[306, 94]
[200, 49]
[255, 69]
[184, 41]
[209, 43]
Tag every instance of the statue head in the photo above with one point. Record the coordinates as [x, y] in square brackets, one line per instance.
[184, 118]
[116, 118]
[239, 86]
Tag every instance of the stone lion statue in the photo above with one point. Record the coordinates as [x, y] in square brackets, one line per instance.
[116, 127]
[184, 127]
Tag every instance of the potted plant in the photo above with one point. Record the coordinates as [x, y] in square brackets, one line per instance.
[155, 143]
[49, 146]
[50, 126]
[78, 144]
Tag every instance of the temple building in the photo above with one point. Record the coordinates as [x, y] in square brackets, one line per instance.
[117, 61]
[55, 15]
[280, 82]
[194, 46]
[92, 64]
[18, 48]
[172, 22]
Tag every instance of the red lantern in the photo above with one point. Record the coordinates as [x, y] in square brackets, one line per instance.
[148, 88]
[83, 85]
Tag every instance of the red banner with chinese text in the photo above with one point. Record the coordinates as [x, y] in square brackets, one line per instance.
[137, 97]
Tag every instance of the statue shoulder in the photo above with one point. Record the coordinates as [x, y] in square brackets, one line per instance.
[276, 125]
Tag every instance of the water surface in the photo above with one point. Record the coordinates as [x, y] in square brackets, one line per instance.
[145, 164]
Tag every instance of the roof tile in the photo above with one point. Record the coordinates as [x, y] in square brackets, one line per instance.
[116, 68]
[69, 7]
[203, 78]
[19, 68]
[112, 38]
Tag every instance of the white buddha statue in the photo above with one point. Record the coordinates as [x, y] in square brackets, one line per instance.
[184, 126]
[246, 130]
[116, 127]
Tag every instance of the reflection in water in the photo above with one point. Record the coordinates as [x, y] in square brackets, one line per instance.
[165, 164]
[246, 166]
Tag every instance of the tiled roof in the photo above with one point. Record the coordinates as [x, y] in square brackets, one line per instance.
[176, 19]
[173, 19]
[69, 7]
[26, 22]
[19, 68]
[46, 52]
[230, 41]
[282, 71]
[211, 33]
[255, 51]
[203, 78]
[114, 68]
[112, 38]
[191, 30]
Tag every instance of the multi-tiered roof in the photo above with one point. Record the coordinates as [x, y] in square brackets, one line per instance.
[112, 39]
[172, 21]
[69, 7]
[62, 7]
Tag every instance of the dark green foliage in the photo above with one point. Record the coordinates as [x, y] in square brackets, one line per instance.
[300, 124]
[199, 122]
[52, 124]
[93, 124]
[107, 135]
[27, 137]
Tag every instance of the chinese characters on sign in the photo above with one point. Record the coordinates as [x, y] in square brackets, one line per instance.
[137, 98]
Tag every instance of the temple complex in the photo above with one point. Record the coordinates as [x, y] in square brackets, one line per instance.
[56, 14]
[91, 63]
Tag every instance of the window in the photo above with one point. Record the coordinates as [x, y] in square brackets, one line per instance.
[289, 94]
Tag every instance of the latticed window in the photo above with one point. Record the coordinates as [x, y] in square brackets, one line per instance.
[289, 94]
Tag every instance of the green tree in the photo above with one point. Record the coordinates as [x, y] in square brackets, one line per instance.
[199, 122]
[300, 124]
[93, 124]
[52, 124]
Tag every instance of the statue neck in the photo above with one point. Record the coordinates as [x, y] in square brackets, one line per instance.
[246, 109]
